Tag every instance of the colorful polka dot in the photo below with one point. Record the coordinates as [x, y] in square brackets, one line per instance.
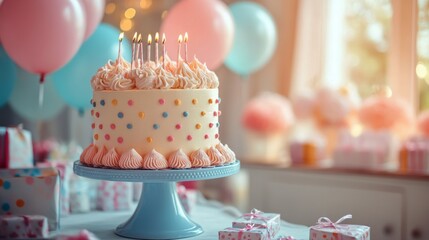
[29, 180]
[90, 101]
[194, 101]
[120, 139]
[92, 112]
[6, 185]
[141, 115]
[216, 135]
[114, 102]
[165, 114]
[112, 126]
[177, 102]
[210, 125]
[170, 138]
[203, 113]
[185, 114]
[96, 136]
[210, 101]
[102, 102]
[206, 136]
[20, 203]
[120, 115]
[149, 139]
[130, 102]
[161, 101]
[94, 104]
[97, 114]
[100, 126]
[215, 113]
[155, 126]
[178, 126]
[5, 207]
[189, 137]
[93, 125]
[130, 126]
[198, 126]
[217, 101]
[219, 113]
[217, 124]
[107, 137]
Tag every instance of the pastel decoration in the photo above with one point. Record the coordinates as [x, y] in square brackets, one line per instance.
[31, 38]
[255, 38]
[303, 104]
[331, 107]
[94, 11]
[7, 76]
[423, 123]
[24, 98]
[214, 28]
[73, 80]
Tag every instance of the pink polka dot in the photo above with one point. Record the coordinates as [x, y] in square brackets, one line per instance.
[189, 137]
[92, 112]
[217, 101]
[29, 180]
[112, 126]
[161, 101]
[48, 180]
[178, 126]
[206, 136]
[107, 136]
[219, 113]
[210, 125]
[120, 139]
[216, 135]
[97, 114]
[130, 102]
[215, 113]
[100, 126]
[93, 125]
[170, 138]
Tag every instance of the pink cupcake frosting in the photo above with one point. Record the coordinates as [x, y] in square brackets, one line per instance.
[82, 155]
[199, 158]
[130, 160]
[111, 159]
[228, 155]
[154, 160]
[98, 158]
[90, 154]
[178, 159]
[216, 158]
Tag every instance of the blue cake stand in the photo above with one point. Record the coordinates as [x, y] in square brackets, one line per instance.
[159, 213]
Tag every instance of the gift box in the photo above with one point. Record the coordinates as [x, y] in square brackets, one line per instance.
[112, 196]
[16, 149]
[306, 153]
[23, 227]
[82, 235]
[414, 156]
[270, 221]
[249, 232]
[326, 229]
[31, 191]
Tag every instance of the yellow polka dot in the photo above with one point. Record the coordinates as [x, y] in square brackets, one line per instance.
[194, 101]
[198, 126]
[177, 102]
[96, 136]
[149, 139]
[20, 203]
[210, 101]
[114, 102]
[141, 115]
[203, 113]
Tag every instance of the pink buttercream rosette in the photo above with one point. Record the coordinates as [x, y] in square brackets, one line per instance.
[268, 113]
[380, 112]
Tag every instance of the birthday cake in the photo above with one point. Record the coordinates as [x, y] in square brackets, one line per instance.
[155, 115]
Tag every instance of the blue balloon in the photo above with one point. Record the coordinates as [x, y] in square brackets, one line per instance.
[7, 76]
[25, 97]
[73, 81]
[255, 38]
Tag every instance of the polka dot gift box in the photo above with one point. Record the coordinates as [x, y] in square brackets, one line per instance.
[16, 149]
[328, 230]
[23, 227]
[31, 191]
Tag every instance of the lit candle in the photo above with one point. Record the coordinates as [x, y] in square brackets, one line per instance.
[178, 50]
[163, 48]
[133, 53]
[139, 53]
[156, 47]
[149, 42]
[186, 47]
[121, 36]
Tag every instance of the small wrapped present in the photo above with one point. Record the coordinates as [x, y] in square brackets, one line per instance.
[114, 196]
[82, 235]
[16, 149]
[249, 232]
[326, 229]
[31, 191]
[23, 227]
[270, 221]
[414, 155]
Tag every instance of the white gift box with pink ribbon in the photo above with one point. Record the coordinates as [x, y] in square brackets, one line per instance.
[270, 221]
[113, 196]
[249, 232]
[23, 227]
[326, 229]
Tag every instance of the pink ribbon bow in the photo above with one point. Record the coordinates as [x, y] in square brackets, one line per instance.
[255, 214]
[325, 222]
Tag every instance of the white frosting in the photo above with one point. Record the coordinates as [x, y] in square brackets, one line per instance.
[145, 77]
[165, 79]
[186, 78]
[102, 80]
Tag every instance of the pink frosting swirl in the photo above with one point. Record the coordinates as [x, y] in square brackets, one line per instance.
[130, 160]
[165, 78]
[97, 161]
[186, 78]
[215, 156]
[82, 155]
[145, 77]
[178, 159]
[102, 80]
[226, 152]
[199, 158]
[111, 159]
[169, 65]
[90, 153]
[154, 160]
[208, 79]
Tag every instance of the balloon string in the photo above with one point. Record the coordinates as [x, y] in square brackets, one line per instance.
[41, 89]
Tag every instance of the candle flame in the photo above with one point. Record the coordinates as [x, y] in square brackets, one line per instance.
[163, 38]
[186, 37]
[149, 39]
[180, 39]
[156, 37]
[121, 36]
[135, 37]
[139, 39]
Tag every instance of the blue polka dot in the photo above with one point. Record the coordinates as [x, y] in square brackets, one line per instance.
[185, 114]
[217, 124]
[165, 114]
[120, 114]
[6, 185]
[5, 207]
[17, 175]
[94, 104]
[155, 126]
[102, 102]
[129, 126]
[36, 171]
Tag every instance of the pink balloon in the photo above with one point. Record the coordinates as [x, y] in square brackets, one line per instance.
[94, 10]
[41, 35]
[210, 27]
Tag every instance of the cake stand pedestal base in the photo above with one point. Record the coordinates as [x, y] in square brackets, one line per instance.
[159, 215]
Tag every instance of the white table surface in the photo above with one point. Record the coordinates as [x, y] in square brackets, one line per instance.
[212, 216]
